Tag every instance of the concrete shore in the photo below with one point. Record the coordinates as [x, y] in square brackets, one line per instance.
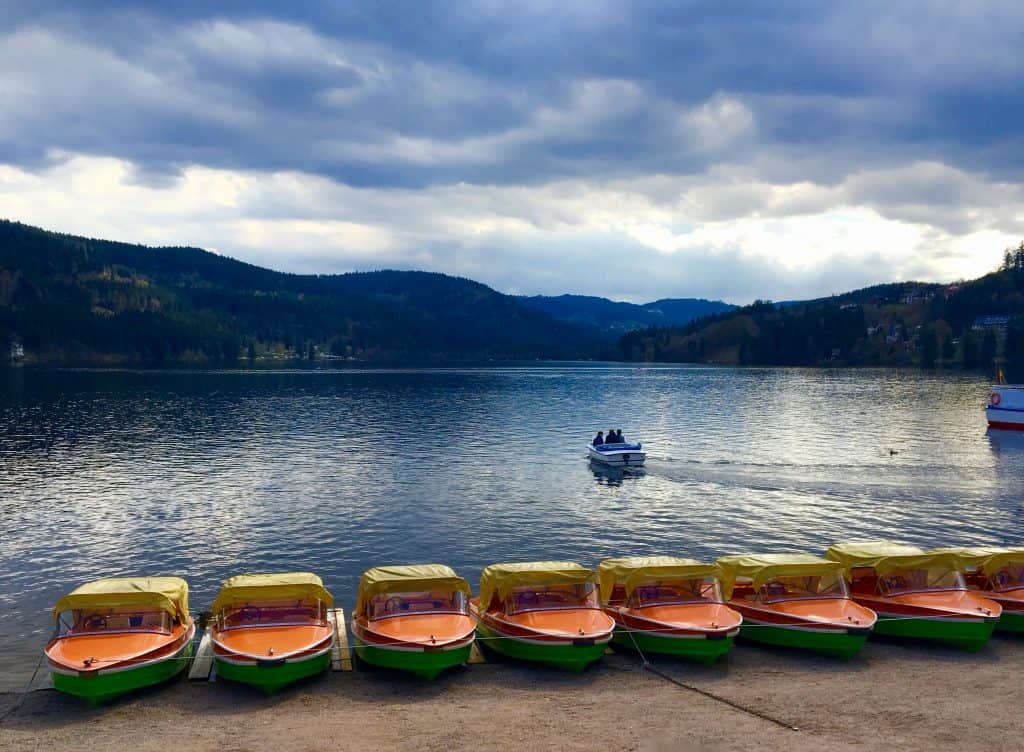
[896, 696]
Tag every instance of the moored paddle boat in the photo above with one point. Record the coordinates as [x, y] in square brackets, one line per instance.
[795, 600]
[119, 634]
[916, 594]
[997, 574]
[270, 630]
[668, 605]
[413, 618]
[542, 611]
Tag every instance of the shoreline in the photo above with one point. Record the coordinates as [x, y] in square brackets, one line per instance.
[895, 695]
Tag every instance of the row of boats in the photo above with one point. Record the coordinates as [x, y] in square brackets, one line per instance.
[269, 630]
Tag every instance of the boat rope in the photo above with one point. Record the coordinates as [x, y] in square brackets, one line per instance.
[711, 695]
[24, 693]
[645, 665]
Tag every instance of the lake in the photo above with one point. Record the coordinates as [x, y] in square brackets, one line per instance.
[206, 474]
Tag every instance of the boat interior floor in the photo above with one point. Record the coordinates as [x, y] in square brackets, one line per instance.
[110, 647]
[423, 627]
[262, 641]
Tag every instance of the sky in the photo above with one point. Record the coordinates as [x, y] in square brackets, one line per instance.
[634, 150]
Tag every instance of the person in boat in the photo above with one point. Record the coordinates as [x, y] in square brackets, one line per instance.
[599, 439]
[610, 437]
[618, 436]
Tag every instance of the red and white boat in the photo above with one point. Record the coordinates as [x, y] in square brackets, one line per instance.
[1005, 408]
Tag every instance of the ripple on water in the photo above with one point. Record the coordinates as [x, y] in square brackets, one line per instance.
[206, 474]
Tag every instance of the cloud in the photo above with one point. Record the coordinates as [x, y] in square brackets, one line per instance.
[778, 150]
[640, 239]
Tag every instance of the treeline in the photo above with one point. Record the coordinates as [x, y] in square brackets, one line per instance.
[73, 299]
[969, 325]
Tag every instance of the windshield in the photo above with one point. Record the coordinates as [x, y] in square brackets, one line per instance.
[92, 621]
[532, 598]
[1009, 577]
[916, 580]
[815, 586]
[664, 592]
[272, 613]
[403, 604]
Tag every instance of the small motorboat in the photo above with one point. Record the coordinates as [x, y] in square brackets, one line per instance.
[413, 618]
[997, 574]
[916, 594]
[270, 630]
[1005, 408]
[120, 634]
[618, 455]
[667, 605]
[542, 611]
[795, 600]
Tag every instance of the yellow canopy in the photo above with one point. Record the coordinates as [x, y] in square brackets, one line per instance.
[168, 594]
[761, 568]
[502, 578]
[416, 578]
[887, 556]
[267, 587]
[989, 559]
[634, 571]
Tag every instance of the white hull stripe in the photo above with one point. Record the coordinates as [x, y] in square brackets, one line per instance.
[552, 643]
[934, 617]
[312, 646]
[838, 629]
[447, 647]
[669, 636]
[241, 660]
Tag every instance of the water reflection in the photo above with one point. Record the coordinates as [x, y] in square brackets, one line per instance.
[1006, 441]
[606, 475]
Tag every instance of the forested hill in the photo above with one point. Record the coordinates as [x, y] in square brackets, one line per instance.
[615, 318]
[73, 299]
[967, 324]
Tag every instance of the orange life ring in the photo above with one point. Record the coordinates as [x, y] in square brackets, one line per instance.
[996, 398]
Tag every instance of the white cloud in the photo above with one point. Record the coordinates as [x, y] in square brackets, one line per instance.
[719, 235]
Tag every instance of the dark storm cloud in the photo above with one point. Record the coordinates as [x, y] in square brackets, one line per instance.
[415, 94]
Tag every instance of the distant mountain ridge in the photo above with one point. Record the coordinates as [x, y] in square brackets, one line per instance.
[72, 299]
[615, 318]
[969, 324]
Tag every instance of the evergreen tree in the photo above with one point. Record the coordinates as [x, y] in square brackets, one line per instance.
[1013, 350]
[969, 348]
[989, 346]
[948, 350]
[929, 348]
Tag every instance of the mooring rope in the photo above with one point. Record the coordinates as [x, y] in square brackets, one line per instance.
[645, 665]
[24, 693]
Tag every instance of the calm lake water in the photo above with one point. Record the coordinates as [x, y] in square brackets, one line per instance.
[208, 474]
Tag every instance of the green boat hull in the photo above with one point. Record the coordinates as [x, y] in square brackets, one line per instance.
[1011, 623]
[842, 645]
[969, 635]
[573, 658]
[700, 650]
[425, 665]
[271, 679]
[103, 687]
